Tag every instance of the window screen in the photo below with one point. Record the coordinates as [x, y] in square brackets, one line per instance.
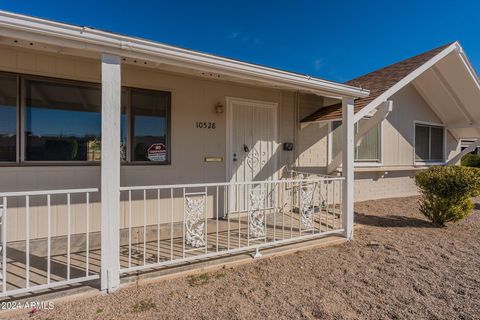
[369, 148]
[429, 143]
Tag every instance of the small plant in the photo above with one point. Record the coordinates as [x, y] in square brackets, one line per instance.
[99, 310]
[447, 192]
[195, 280]
[143, 306]
[471, 160]
[219, 275]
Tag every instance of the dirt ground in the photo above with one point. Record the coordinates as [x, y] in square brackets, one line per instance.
[398, 267]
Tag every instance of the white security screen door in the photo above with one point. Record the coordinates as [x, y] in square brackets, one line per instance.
[253, 145]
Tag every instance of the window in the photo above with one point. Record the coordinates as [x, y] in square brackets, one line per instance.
[56, 120]
[147, 118]
[429, 143]
[8, 118]
[62, 121]
[149, 115]
[369, 149]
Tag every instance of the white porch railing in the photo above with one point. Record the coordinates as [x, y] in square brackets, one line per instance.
[44, 261]
[164, 225]
[52, 238]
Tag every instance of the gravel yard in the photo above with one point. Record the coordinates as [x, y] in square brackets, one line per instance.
[398, 267]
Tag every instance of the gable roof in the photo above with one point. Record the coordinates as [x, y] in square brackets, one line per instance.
[378, 82]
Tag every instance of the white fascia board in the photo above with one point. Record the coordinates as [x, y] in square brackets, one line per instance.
[402, 83]
[468, 65]
[84, 38]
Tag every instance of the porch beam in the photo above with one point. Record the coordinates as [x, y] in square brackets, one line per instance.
[475, 144]
[382, 112]
[110, 173]
[348, 163]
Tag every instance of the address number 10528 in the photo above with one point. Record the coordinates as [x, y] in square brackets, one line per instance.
[206, 125]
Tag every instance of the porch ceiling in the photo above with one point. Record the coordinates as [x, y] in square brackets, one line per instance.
[453, 92]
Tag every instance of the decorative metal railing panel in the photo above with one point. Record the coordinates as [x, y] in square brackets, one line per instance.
[195, 220]
[307, 206]
[256, 214]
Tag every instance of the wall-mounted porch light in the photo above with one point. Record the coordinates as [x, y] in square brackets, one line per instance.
[219, 108]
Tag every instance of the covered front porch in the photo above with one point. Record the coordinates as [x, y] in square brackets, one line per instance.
[209, 177]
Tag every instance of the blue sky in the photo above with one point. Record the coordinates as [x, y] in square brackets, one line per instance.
[336, 40]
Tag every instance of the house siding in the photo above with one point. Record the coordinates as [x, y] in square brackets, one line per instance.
[399, 128]
[193, 99]
[398, 149]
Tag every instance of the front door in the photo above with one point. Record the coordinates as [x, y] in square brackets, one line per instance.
[253, 146]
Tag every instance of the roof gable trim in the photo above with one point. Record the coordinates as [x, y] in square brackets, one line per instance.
[406, 80]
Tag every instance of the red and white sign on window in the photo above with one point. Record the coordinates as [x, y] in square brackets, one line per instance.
[157, 152]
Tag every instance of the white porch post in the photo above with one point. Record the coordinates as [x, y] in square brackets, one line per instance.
[347, 166]
[110, 185]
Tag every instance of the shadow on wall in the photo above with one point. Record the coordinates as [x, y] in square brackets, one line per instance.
[391, 221]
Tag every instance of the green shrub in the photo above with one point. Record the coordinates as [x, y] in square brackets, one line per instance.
[447, 192]
[471, 160]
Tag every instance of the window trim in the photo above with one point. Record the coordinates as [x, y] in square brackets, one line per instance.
[414, 144]
[20, 161]
[357, 163]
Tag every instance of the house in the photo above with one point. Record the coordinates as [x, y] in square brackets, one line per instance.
[420, 112]
[121, 155]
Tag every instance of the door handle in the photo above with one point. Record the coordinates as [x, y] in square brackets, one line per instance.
[245, 148]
